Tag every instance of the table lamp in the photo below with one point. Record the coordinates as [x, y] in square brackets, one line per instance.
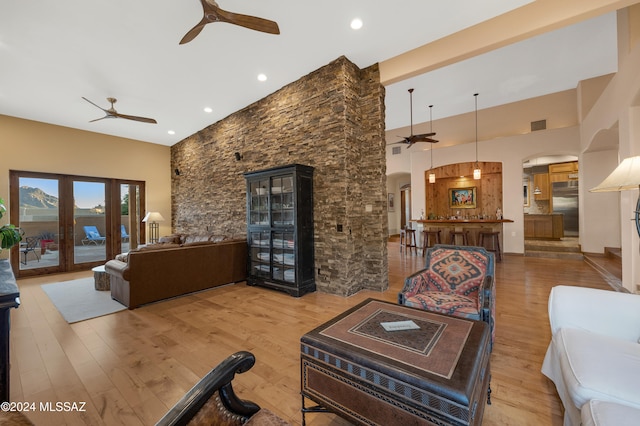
[625, 176]
[152, 218]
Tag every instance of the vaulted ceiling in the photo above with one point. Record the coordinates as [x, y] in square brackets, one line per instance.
[54, 53]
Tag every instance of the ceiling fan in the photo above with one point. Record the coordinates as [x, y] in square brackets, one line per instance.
[410, 140]
[112, 113]
[213, 13]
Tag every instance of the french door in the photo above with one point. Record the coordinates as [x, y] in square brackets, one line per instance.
[72, 223]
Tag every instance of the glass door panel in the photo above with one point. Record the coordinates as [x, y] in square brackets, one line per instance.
[39, 220]
[89, 224]
[130, 208]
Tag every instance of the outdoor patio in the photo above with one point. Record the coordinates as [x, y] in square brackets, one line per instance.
[83, 254]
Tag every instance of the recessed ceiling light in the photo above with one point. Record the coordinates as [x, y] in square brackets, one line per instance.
[262, 77]
[208, 109]
[171, 132]
[356, 23]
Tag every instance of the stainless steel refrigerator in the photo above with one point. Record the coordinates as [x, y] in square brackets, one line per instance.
[565, 201]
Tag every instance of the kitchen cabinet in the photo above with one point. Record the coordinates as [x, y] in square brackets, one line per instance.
[563, 172]
[543, 226]
[541, 182]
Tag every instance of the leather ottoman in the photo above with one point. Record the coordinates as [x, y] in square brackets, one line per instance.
[436, 374]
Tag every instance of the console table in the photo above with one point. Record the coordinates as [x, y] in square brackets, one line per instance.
[9, 298]
[436, 374]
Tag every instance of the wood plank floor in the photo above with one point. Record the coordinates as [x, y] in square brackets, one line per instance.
[130, 367]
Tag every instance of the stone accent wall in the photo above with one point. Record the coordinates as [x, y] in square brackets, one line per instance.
[332, 120]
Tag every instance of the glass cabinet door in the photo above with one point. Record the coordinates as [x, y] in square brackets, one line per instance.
[282, 201]
[260, 247]
[259, 203]
[284, 257]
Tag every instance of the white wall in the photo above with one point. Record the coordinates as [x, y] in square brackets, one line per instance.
[615, 110]
[394, 183]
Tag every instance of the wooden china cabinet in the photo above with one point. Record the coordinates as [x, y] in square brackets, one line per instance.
[280, 229]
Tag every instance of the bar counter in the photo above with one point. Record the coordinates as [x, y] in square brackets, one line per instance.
[473, 226]
[458, 221]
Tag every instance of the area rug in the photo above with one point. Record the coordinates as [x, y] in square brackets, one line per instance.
[78, 300]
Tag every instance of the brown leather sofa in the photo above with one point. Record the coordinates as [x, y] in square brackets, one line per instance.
[171, 269]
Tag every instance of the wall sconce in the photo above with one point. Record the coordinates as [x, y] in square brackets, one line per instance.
[626, 176]
[477, 173]
[152, 218]
[238, 156]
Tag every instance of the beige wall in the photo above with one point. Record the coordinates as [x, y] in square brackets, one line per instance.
[39, 147]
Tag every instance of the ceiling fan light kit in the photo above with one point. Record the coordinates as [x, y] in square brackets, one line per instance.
[213, 13]
[477, 173]
[432, 175]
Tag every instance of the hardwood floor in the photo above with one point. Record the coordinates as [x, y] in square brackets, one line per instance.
[130, 367]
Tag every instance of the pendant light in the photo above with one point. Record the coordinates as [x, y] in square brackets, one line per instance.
[477, 173]
[432, 175]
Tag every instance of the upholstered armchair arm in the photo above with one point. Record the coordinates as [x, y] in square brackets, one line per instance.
[219, 379]
[414, 284]
[605, 312]
[488, 298]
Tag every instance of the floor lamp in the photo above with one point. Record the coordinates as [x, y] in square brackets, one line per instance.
[152, 218]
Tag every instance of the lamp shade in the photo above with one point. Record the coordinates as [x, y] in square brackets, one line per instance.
[153, 217]
[625, 176]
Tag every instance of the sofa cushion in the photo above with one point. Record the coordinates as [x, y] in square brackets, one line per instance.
[595, 366]
[445, 303]
[603, 413]
[158, 246]
[192, 238]
[173, 238]
[197, 243]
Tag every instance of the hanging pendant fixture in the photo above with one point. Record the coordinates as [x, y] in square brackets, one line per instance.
[432, 175]
[477, 173]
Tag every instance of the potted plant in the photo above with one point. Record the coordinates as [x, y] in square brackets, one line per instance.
[10, 235]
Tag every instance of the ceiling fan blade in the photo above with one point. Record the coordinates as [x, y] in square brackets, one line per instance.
[251, 22]
[101, 118]
[97, 106]
[193, 32]
[422, 138]
[134, 118]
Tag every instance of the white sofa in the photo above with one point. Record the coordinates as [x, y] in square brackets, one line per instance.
[594, 354]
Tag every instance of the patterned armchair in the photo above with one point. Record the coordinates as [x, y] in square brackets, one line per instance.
[457, 281]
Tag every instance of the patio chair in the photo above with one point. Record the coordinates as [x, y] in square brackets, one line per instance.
[456, 281]
[31, 246]
[92, 236]
[124, 235]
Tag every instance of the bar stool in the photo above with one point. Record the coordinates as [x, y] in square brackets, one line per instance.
[463, 234]
[494, 237]
[430, 237]
[409, 240]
